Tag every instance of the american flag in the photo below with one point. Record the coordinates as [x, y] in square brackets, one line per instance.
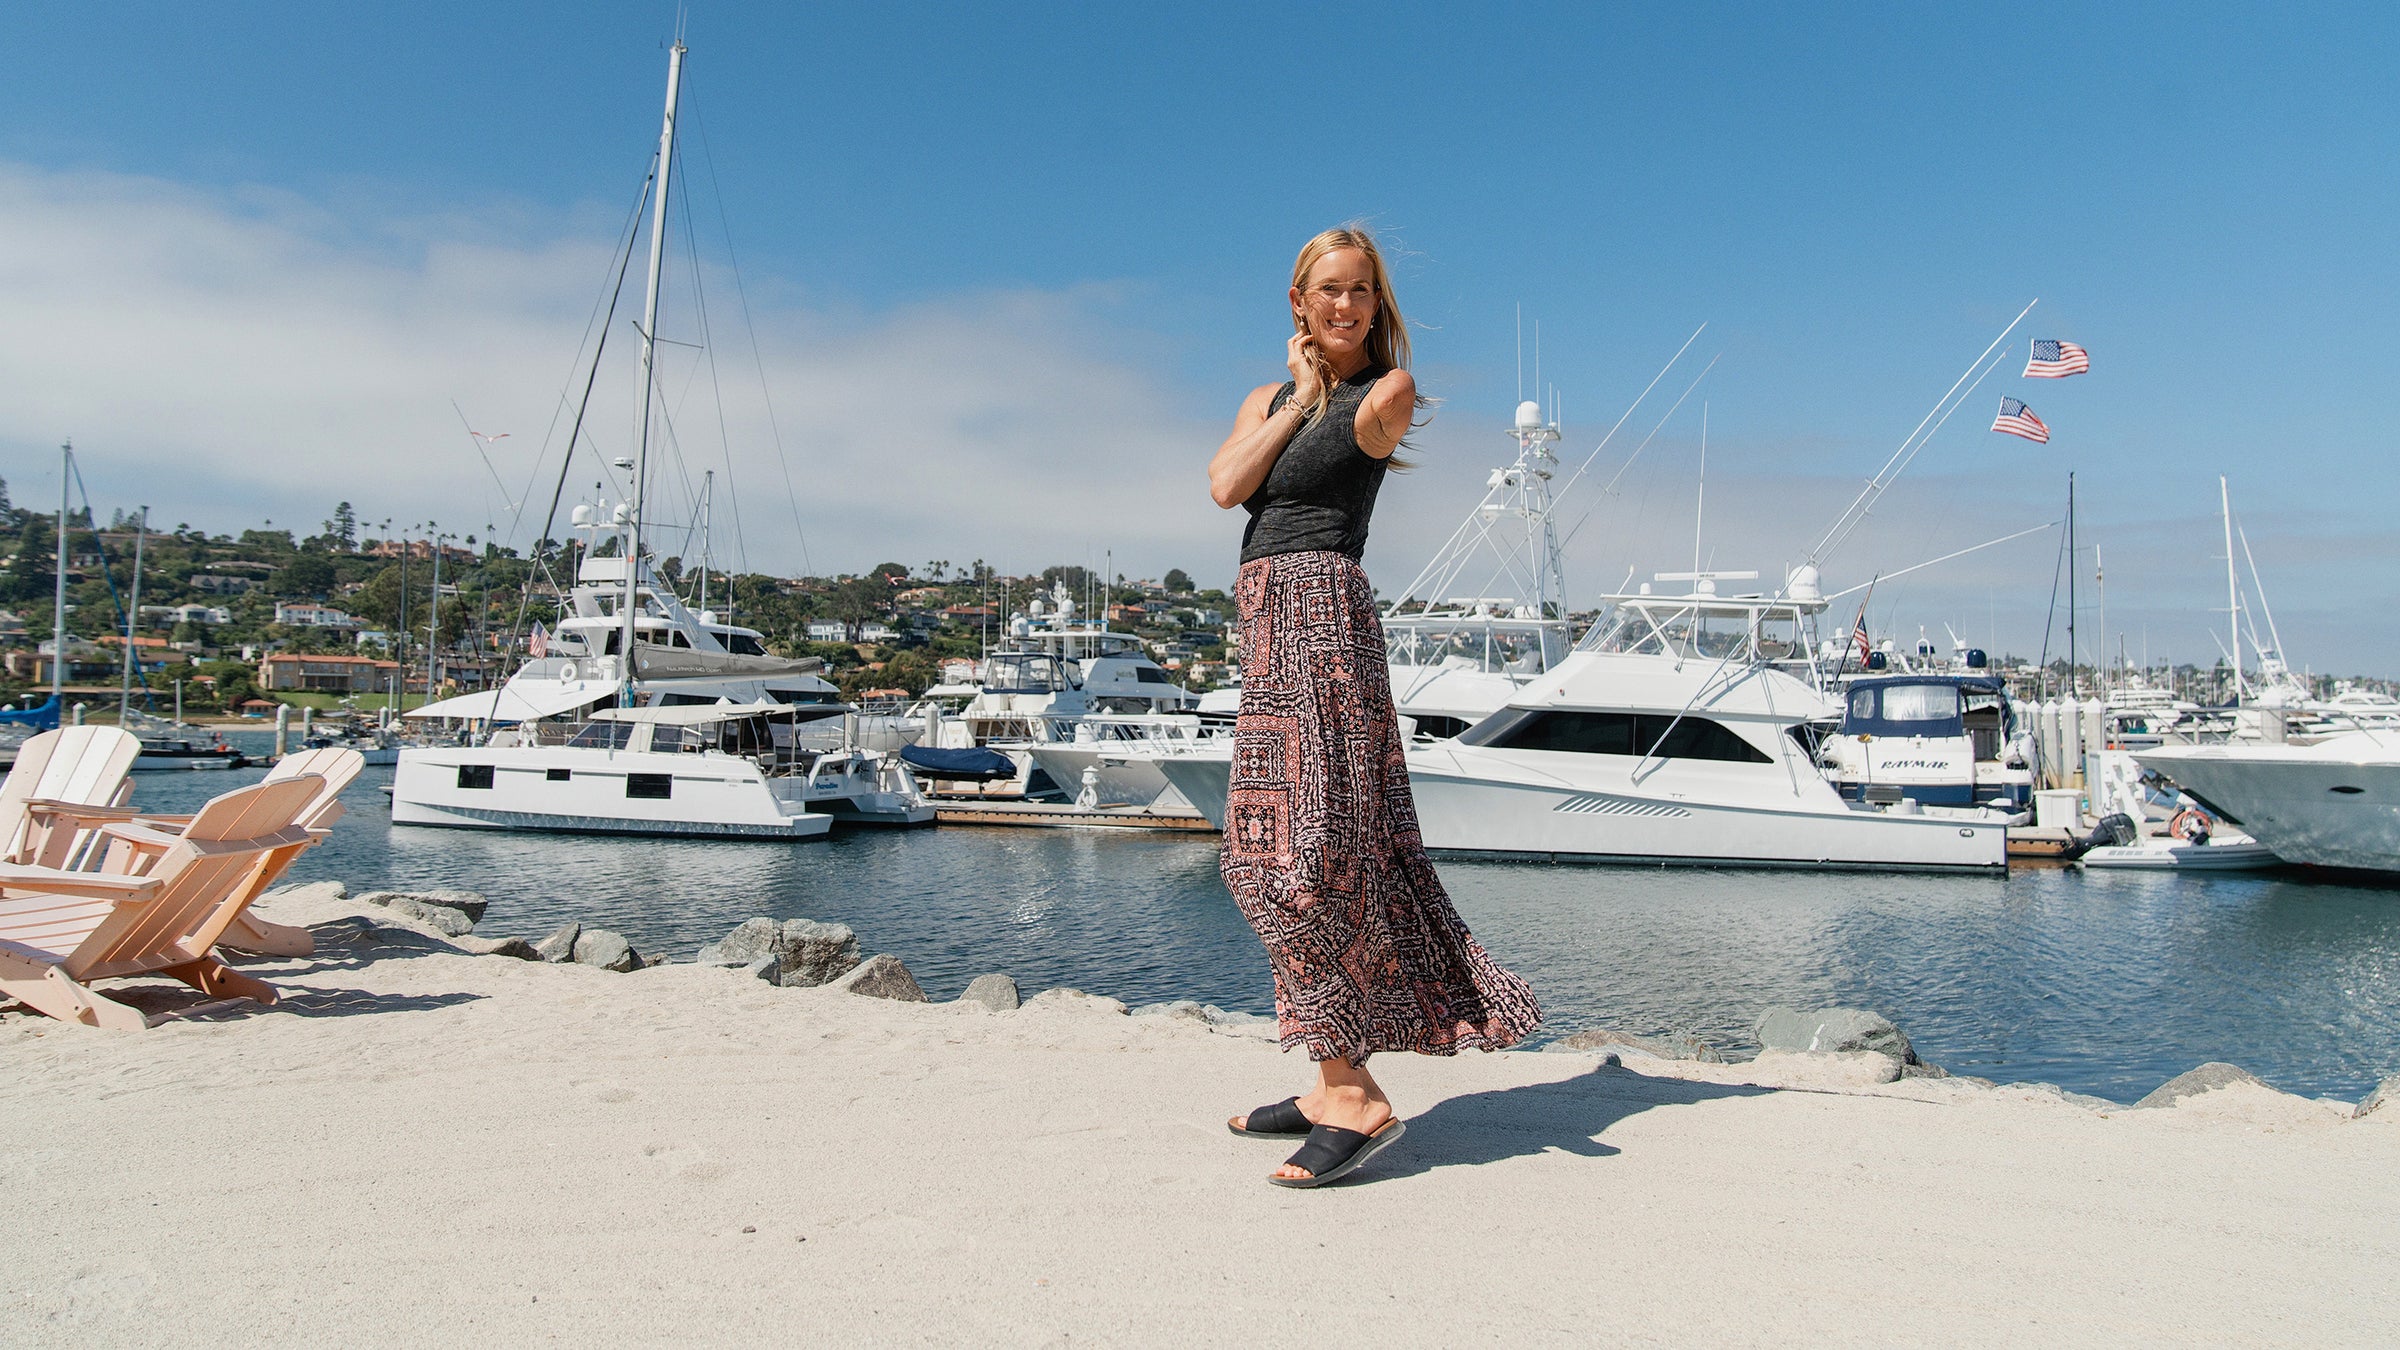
[2056, 360]
[538, 644]
[2018, 420]
[1858, 638]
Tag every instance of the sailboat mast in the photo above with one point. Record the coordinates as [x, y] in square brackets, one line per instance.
[2074, 564]
[133, 617]
[58, 609]
[641, 459]
[2233, 595]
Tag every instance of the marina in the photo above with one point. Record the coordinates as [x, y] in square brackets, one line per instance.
[2105, 984]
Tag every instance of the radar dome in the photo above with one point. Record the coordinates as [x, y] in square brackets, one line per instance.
[583, 513]
[1804, 583]
[1529, 415]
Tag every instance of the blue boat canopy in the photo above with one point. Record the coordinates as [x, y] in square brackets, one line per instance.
[43, 718]
[975, 763]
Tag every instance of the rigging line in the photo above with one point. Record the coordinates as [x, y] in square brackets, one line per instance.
[481, 454]
[733, 496]
[1858, 516]
[1878, 483]
[59, 640]
[1637, 450]
[593, 322]
[566, 463]
[766, 394]
[1637, 402]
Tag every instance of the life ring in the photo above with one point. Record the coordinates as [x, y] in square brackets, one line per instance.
[567, 672]
[2191, 825]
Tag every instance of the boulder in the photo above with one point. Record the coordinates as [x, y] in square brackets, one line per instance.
[607, 950]
[306, 892]
[805, 952]
[996, 992]
[560, 945]
[470, 903]
[2207, 1078]
[445, 918]
[2056, 1093]
[1833, 1030]
[881, 977]
[1674, 1045]
[1822, 1070]
[1075, 1000]
[481, 946]
[2385, 1093]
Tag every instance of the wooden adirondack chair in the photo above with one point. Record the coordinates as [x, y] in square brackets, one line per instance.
[127, 855]
[77, 927]
[72, 766]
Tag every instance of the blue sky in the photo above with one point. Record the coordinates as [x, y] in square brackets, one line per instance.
[1012, 269]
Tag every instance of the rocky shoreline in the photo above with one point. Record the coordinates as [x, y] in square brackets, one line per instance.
[1823, 1049]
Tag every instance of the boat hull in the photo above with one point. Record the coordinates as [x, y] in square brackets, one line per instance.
[1481, 815]
[573, 789]
[2314, 805]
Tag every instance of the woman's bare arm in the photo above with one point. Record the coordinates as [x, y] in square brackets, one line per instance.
[1249, 454]
[1385, 414]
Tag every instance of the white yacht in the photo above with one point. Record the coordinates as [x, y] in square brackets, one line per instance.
[1940, 738]
[2335, 803]
[1670, 735]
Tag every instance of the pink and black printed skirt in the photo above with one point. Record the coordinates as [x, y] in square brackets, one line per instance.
[1322, 850]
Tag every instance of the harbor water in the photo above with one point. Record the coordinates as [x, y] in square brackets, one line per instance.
[2105, 984]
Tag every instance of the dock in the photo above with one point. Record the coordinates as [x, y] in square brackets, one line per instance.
[1066, 815]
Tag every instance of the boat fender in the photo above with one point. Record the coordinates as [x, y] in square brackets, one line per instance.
[2191, 825]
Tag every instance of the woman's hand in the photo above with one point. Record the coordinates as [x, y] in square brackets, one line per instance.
[1308, 370]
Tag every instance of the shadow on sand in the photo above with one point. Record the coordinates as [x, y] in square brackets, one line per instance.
[1484, 1127]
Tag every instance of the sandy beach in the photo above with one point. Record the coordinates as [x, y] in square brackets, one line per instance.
[420, 1145]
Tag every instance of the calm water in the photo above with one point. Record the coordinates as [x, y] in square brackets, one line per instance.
[2106, 984]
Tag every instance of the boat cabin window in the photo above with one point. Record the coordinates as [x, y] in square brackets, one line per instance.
[805, 696]
[678, 639]
[1150, 675]
[1025, 673]
[602, 735]
[742, 644]
[1573, 731]
[687, 700]
[1905, 710]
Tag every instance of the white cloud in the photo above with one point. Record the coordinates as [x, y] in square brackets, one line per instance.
[230, 356]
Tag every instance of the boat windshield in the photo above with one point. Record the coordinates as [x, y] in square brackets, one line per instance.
[1024, 673]
[1905, 710]
[1669, 627]
[1522, 647]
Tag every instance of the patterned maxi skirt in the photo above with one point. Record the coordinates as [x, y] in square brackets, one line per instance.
[1322, 851]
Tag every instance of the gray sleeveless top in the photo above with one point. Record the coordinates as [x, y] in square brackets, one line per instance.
[1322, 488]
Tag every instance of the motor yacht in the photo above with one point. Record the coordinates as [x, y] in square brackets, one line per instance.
[2335, 803]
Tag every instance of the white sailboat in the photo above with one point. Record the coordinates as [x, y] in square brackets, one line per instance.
[651, 720]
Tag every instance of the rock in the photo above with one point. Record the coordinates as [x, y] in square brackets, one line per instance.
[607, 950]
[448, 919]
[996, 992]
[806, 953]
[482, 946]
[1836, 1030]
[761, 969]
[1675, 1045]
[1206, 1014]
[1824, 1070]
[1075, 1000]
[307, 892]
[468, 903]
[881, 977]
[2385, 1093]
[2207, 1078]
[560, 945]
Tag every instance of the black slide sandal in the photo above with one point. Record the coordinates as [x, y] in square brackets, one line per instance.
[1280, 1121]
[1332, 1153]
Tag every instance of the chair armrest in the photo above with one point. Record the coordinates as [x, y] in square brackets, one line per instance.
[53, 881]
[140, 834]
[83, 812]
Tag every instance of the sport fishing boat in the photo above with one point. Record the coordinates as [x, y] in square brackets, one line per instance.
[1672, 734]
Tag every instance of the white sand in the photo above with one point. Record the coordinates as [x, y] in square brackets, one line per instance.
[425, 1148]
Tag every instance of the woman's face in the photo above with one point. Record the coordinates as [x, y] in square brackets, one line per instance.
[1339, 301]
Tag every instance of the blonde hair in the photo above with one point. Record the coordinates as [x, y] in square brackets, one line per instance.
[1387, 340]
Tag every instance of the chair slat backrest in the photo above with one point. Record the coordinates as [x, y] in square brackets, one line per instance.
[200, 881]
[335, 765]
[83, 765]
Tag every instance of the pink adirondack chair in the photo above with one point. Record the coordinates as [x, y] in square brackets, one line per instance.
[131, 856]
[77, 927]
[72, 766]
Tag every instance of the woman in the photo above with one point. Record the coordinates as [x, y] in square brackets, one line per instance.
[1322, 851]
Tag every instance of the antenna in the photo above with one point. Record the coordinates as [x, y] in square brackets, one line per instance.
[1520, 351]
[1700, 497]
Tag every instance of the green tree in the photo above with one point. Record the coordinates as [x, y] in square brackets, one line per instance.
[1179, 581]
[307, 574]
